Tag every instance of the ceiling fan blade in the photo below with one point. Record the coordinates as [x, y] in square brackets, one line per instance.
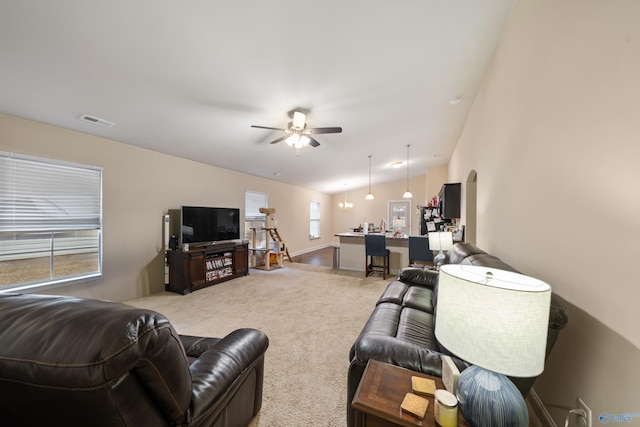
[313, 142]
[325, 130]
[270, 128]
[279, 139]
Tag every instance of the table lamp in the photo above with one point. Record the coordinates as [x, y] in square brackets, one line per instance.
[440, 241]
[497, 321]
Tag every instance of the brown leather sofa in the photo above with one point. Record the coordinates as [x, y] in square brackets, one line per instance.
[401, 328]
[78, 362]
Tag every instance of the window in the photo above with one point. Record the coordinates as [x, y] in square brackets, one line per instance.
[314, 220]
[253, 218]
[50, 222]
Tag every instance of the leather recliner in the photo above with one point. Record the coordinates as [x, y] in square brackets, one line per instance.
[80, 362]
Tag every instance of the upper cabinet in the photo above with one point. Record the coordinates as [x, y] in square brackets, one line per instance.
[449, 197]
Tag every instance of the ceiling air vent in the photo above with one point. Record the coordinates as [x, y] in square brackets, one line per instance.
[97, 121]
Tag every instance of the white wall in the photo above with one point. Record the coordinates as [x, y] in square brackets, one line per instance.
[435, 178]
[553, 136]
[139, 186]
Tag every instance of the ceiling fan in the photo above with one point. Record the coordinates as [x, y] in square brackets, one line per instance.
[298, 134]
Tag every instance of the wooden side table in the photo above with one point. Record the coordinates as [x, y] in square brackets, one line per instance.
[380, 393]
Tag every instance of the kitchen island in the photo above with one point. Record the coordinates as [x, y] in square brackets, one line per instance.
[352, 254]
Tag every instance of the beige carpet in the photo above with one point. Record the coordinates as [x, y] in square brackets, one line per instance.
[311, 315]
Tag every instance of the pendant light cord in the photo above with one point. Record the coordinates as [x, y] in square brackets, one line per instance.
[369, 195]
[369, 173]
[407, 194]
[408, 145]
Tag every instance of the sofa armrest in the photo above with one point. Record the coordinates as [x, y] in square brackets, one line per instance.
[558, 317]
[195, 346]
[216, 370]
[400, 353]
[419, 276]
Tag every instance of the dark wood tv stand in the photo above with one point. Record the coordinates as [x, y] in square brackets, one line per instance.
[204, 266]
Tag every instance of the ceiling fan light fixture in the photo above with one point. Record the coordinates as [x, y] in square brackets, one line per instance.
[298, 120]
[303, 141]
[297, 132]
[293, 140]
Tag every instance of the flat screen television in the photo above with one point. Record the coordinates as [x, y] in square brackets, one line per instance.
[204, 225]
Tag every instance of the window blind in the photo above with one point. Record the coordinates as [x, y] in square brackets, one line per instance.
[253, 201]
[45, 195]
[314, 220]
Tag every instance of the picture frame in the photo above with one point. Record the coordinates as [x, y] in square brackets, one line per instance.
[399, 216]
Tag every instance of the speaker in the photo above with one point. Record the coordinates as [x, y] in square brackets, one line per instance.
[166, 223]
[173, 242]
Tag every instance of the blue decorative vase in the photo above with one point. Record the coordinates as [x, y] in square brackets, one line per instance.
[490, 399]
[439, 259]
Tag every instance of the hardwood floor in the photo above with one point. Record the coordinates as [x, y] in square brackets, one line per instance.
[323, 257]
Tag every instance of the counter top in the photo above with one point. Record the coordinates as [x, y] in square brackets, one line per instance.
[360, 234]
[352, 251]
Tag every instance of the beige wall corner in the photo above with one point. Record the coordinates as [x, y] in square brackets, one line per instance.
[553, 137]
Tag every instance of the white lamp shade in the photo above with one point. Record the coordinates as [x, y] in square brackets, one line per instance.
[440, 241]
[498, 323]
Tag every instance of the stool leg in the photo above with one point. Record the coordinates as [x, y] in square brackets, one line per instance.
[366, 266]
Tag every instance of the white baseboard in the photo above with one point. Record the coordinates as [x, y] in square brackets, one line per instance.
[315, 248]
[539, 409]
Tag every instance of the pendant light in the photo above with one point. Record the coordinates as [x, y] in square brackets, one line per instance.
[369, 195]
[407, 194]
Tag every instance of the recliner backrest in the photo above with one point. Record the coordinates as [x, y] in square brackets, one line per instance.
[462, 250]
[90, 356]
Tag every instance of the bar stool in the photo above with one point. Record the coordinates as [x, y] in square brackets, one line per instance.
[419, 250]
[375, 245]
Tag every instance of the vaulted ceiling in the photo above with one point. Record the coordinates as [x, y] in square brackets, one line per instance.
[189, 78]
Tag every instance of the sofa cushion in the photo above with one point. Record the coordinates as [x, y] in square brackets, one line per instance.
[405, 295]
[416, 327]
[418, 276]
[384, 319]
[394, 293]
[419, 298]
